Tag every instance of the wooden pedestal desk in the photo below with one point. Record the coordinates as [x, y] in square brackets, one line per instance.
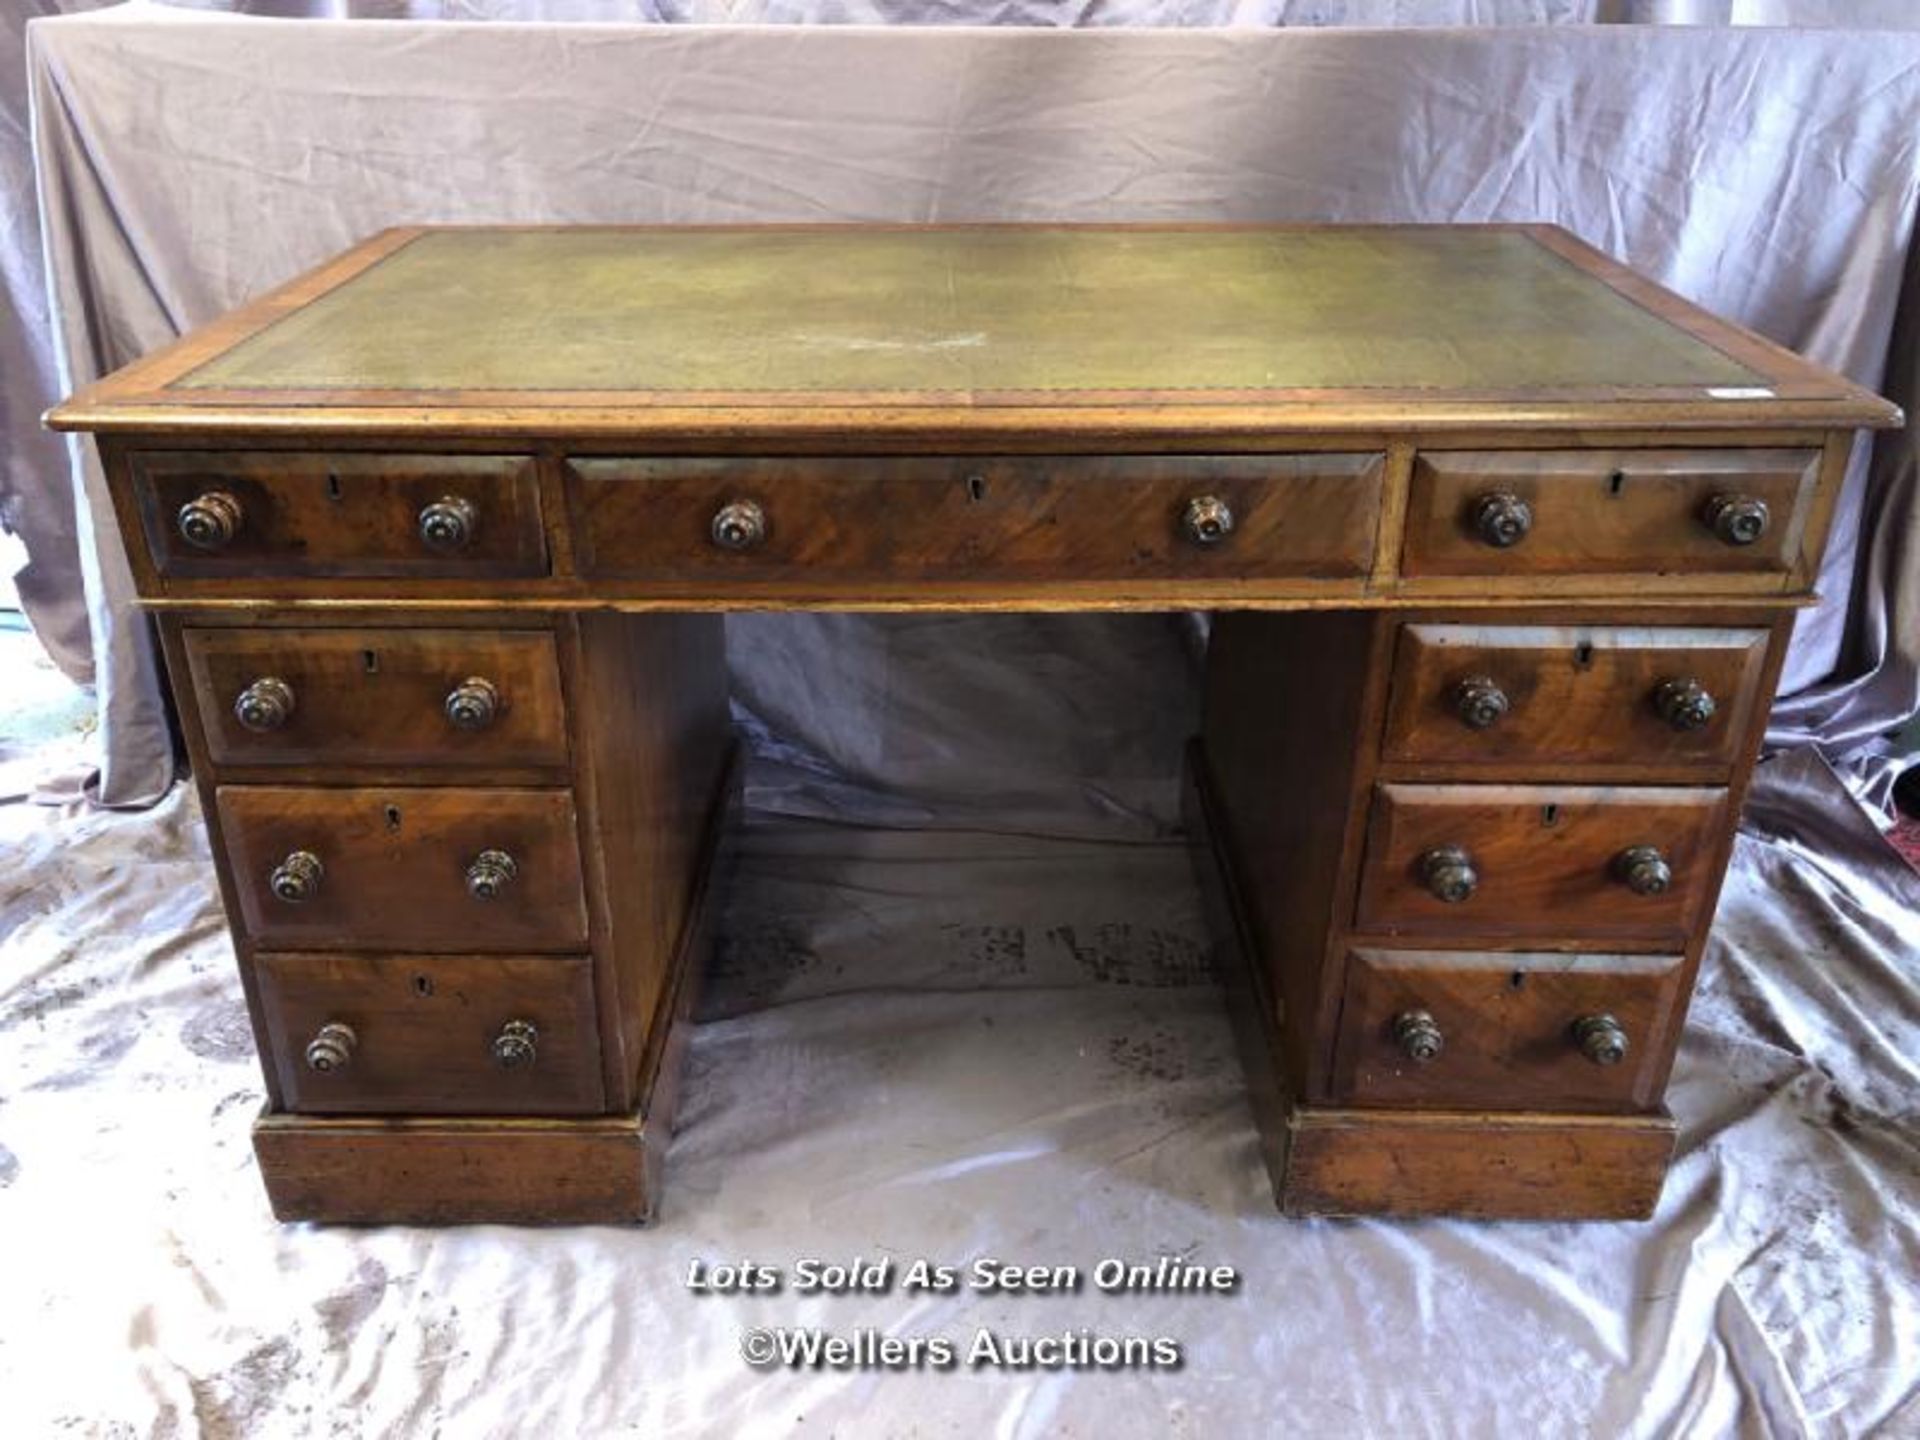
[1503, 543]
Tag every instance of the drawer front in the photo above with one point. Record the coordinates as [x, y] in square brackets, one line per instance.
[405, 868]
[1039, 519]
[254, 514]
[1523, 1031]
[377, 697]
[1467, 695]
[1540, 862]
[432, 1034]
[1598, 512]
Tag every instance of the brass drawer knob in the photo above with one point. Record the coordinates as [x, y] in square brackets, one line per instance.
[1644, 870]
[472, 704]
[1207, 520]
[1501, 518]
[1736, 519]
[1685, 704]
[1601, 1039]
[448, 524]
[266, 704]
[514, 1048]
[1449, 874]
[1418, 1036]
[297, 878]
[1480, 702]
[490, 874]
[210, 521]
[739, 525]
[331, 1048]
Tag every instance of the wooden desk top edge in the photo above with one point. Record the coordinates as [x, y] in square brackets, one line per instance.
[141, 396]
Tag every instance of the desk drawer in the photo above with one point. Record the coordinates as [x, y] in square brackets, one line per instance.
[208, 514]
[432, 1034]
[1523, 1031]
[405, 868]
[1599, 512]
[1540, 862]
[746, 523]
[365, 696]
[1472, 695]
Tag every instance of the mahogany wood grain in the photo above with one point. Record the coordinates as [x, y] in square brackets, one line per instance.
[1546, 860]
[396, 861]
[1116, 519]
[652, 737]
[1508, 1023]
[1577, 695]
[365, 697]
[424, 1028]
[452, 1171]
[1600, 512]
[1475, 1166]
[307, 514]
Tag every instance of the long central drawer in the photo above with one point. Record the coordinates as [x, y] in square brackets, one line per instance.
[751, 521]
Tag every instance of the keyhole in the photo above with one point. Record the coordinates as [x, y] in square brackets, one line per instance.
[1583, 654]
[393, 817]
[1517, 980]
[976, 488]
[1549, 815]
[423, 986]
[333, 486]
[370, 662]
[1616, 481]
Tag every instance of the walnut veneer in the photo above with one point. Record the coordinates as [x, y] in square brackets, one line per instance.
[1504, 543]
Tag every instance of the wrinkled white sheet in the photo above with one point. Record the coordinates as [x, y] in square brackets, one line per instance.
[947, 1044]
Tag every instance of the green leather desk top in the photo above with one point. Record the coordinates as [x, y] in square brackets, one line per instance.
[992, 330]
[970, 310]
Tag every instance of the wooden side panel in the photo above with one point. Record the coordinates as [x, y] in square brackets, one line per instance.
[1476, 1166]
[651, 737]
[458, 1172]
[1287, 704]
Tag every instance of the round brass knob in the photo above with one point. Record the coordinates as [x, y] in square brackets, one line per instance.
[1644, 870]
[297, 878]
[514, 1048]
[331, 1047]
[472, 704]
[1684, 704]
[490, 873]
[1448, 872]
[739, 525]
[1479, 702]
[448, 524]
[1418, 1036]
[1501, 518]
[1207, 520]
[1736, 519]
[266, 704]
[210, 521]
[1601, 1039]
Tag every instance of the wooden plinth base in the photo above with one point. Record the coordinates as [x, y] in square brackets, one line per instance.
[601, 1169]
[1522, 1165]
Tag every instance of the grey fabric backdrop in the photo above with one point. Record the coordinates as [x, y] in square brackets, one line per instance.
[188, 162]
